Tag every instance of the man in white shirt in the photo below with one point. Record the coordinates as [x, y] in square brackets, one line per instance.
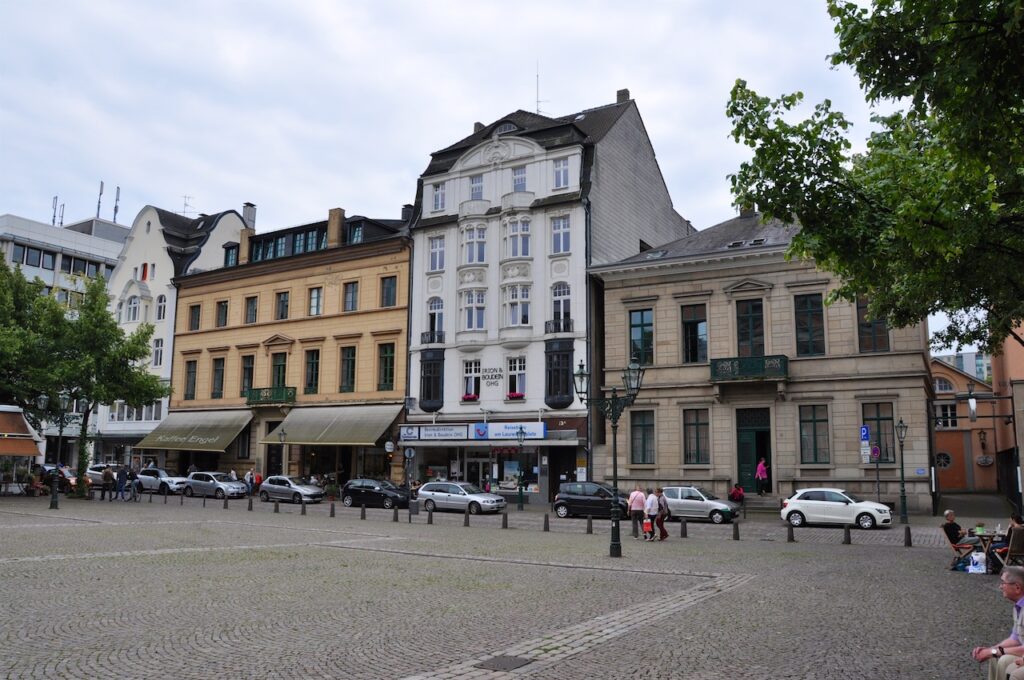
[636, 509]
[651, 510]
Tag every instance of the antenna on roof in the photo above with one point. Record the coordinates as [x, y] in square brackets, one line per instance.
[53, 222]
[61, 224]
[117, 200]
[539, 100]
[186, 207]
[99, 199]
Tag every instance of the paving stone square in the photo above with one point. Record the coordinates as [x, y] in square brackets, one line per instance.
[136, 590]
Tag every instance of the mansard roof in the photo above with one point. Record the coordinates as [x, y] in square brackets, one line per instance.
[186, 237]
[583, 127]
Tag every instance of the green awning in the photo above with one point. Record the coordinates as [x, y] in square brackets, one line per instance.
[325, 425]
[197, 430]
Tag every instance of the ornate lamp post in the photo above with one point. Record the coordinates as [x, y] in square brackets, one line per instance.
[901, 434]
[42, 401]
[520, 437]
[284, 463]
[612, 407]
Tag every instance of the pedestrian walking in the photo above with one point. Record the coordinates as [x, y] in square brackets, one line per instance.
[232, 476]
[257, 479]
[761, 475]
[192, 468]
[133, 479]
[636, 509]
[249, 479]
[651, 512]
[122, 479]
[663, 513]
[108, 483]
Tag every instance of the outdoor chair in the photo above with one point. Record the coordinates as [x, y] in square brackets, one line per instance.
[961, 550]
[1013, 553]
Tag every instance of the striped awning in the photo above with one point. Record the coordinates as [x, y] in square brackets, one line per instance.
[17, 438]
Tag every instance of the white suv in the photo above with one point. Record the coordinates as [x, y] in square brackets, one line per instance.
[833, 506]
[156, 480]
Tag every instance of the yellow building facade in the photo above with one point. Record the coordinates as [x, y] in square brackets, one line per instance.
[291, 358]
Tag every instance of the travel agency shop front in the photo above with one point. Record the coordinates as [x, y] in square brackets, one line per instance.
[495, 455]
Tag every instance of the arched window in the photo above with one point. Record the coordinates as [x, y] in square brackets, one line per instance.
[560, 299]
[133, 308]
[435, 315]
[120, 311]
[943, 385]
[161, 307]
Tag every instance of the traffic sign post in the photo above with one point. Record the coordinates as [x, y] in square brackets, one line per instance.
[865, 445]
[876, 453]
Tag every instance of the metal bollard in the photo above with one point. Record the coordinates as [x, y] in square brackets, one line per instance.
[547, 526]
[250, 503]
[225, 502]
[907, 542]
[277, 506]
[410, 513]
[504, 520]
[846, 535]
[430, 516]
[789, 534]
[151, 497]
[303, 504]
[735, 531]
[332, 509]
[590, 524]
[165, 498]
[204, 500]
[362, 512]
[465, 521]
[182, 498]
[682, 527]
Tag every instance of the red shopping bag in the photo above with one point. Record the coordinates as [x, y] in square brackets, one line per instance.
[648, 527]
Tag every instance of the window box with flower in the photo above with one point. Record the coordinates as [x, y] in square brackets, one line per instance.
[470, 397]
[515, 396]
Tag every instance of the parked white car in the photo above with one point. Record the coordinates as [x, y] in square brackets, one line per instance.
[833, 506]
[95, 472]
[156, 480]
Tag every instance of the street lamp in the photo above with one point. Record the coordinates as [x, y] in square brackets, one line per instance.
[520, 437]
[612, 407]
[280, 437]
[42, 401]
[901, 434]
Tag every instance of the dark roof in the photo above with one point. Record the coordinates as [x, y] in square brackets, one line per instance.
[741, 234]
[584, 127]
[185, 237]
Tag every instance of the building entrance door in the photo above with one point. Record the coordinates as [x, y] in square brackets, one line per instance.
[753, 442]
[477, 471]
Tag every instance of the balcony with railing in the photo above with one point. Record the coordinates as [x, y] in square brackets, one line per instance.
[770, 368]
[558, 326]
[432, 338]
[474, 208]
[516, 199]
[270, 395]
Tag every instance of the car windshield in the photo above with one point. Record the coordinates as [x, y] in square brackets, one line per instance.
[297, 480]
[471, 488]
[707, 494]
[386, 484]
[221, 477]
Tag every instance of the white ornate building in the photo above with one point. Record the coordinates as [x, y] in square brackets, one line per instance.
[506, 223]
[160, 246]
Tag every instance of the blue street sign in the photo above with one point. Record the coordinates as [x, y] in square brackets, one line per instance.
[865, 433]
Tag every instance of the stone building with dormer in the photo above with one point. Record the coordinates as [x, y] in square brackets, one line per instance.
[507, 221]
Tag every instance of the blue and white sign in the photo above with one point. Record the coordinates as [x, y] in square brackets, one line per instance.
[531, 430]
[865, 433]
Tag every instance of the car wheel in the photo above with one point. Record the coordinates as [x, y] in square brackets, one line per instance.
[865, 521]
[428, 505]
[188, 491]
[347, 501]
[388, 503]
[164, 489]
[264, 496]
[562, 511]
[296, 498]
[796, 518]
[474, 508]
[717, 517]
[218, 494]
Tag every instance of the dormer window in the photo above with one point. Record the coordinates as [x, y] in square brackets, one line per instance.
[505, 128]
[757, 242]
[735, 244]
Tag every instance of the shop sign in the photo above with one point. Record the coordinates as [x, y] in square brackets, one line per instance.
[492, 377]
[432, 432]
[532, 430]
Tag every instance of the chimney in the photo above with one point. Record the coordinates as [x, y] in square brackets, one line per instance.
[477, 127]
[244, 238]
[748, 210]
[335, 224]
[249, 214]
[622, 96]
[406, 212]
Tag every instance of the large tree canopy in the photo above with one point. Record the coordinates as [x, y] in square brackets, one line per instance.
[931, 217]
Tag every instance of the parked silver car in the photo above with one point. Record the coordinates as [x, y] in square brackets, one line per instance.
[294, 489]
[95, 472]
[694, 502]
[459, 496]
[216, 484]
[156, 480]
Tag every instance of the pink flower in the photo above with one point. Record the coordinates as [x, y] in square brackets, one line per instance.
[516, 395]
[470, 397]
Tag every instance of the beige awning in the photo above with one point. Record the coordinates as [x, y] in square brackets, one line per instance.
[326, 425]
[197, 430]
[17, 438]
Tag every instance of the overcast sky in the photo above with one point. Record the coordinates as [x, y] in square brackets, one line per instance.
[299, 107]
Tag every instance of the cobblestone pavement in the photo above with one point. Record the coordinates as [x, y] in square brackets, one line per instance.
[142, 589]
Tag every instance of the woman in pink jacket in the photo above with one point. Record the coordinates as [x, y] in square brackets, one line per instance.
[636, 509]
[761, 475]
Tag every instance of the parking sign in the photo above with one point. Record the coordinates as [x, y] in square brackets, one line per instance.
[865, 433]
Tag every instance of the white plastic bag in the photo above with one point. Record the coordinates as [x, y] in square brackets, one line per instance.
[978, 564]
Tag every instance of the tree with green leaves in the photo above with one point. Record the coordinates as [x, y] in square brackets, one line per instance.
[82, 353]
[930, 218]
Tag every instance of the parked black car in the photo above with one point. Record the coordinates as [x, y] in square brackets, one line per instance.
[587, 498]
[373, 493]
